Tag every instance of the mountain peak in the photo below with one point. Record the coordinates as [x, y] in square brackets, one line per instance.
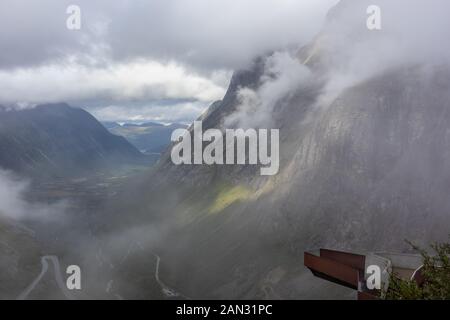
[60, 139]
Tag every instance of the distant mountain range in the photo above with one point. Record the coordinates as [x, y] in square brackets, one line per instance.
[149, 137]
[57, 139]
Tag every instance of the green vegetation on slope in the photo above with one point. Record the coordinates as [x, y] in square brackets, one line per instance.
[228, 195]
[436, 273]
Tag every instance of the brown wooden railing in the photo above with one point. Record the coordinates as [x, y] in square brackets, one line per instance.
[333, 270]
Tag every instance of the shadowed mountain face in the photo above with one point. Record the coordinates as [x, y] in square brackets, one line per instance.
[56, 139]
[364, 164]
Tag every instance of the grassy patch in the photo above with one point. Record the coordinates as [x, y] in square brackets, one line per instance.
[229, 195]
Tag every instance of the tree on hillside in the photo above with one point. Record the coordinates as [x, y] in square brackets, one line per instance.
[436, 275]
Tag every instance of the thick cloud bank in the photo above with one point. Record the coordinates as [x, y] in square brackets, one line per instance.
[13, 204]
[149, 53]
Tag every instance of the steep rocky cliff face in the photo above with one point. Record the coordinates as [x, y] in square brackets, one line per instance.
[364, 164]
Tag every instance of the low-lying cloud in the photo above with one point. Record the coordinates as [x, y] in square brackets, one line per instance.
[413, 32]
[13, 203]
[346, 53]
[284, 74]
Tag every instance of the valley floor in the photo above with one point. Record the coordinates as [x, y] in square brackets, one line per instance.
[123, 265]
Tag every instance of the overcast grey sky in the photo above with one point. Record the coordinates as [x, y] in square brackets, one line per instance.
[142, 60]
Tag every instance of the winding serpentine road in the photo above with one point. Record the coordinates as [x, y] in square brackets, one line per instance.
[166, 290]
[58, 277]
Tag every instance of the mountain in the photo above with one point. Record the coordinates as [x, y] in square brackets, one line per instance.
[109, 125]
[148, 137]
[364, 164]
[60, 140]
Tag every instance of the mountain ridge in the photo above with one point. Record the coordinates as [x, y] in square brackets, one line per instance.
[59, 139]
